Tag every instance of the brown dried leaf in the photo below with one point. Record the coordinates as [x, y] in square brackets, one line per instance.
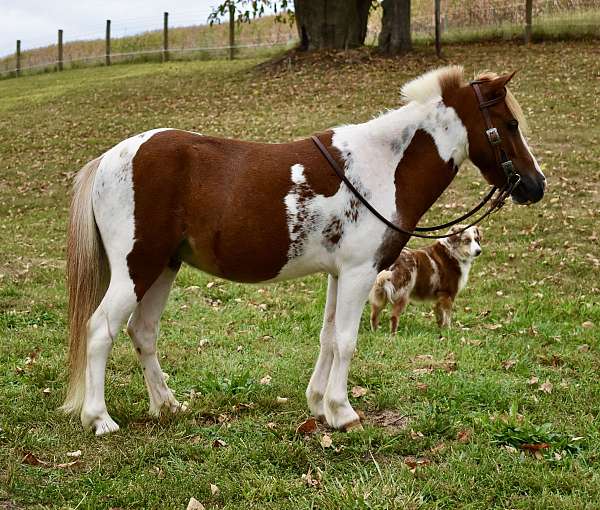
[219, 443]
[214, 489]
[534, 447]
[414, 462]
[508, 364]
[546, 387]
[533, 380]
[307, 427]
[583, 348]
[266, 380]
[326, 441]
[194, 504]
[359, 391]
[463, 436]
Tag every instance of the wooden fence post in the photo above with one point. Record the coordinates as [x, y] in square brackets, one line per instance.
[107, 42]
[18, 66]
[60, 49]
[438, 30]
[528, 19]
[231, 30]
[166, 38]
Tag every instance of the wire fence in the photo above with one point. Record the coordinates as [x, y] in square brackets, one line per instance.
[185, 35]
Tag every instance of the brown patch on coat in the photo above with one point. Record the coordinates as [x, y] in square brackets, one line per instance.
[420, 178]
[218, 204]
[332, 233]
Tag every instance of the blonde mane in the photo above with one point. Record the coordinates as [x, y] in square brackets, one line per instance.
[434, 83]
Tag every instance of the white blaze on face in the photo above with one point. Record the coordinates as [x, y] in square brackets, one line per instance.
[535, 163]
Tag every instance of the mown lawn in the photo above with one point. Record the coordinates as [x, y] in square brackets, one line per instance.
[446, 415]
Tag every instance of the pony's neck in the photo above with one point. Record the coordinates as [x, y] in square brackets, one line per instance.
[428, 142]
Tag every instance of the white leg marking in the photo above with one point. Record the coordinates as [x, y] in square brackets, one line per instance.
[353, 289]
[143, 329]
[103, 327]
[318, 381]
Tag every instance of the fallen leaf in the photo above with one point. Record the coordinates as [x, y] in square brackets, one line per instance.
[583, 348]
[209, 285]
[266, 380]
[214, 489]
[281, 400]
[422, 386]
[310, 480]
[46, 391]
[416, 435]
[533, 380]
[307, 427]
[271, 425]
[32, 460]
[413, 462]
[587, 325]
[358, 391]
[463, 436]
[422, 371]
[438, 448]
[76, 454]
[509, 363]
[194, 504]
[546, 387]
[534, 447]
[67, 464]
[219, 443]
[326, 441]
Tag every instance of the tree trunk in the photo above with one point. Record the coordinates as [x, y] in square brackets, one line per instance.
[335, 24]
[395, 27]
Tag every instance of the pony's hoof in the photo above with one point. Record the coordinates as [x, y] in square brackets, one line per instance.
[352, 426]
[103, 426]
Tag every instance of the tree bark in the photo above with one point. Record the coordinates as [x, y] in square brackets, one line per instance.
[395, 28]
[334, 24]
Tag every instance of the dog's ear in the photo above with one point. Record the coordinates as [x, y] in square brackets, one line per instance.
[478, 234]
[453, 233]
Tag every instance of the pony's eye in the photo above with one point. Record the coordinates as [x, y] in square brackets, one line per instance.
[513, 124]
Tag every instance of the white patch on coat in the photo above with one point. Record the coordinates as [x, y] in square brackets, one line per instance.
[371, 152]
[113, 200]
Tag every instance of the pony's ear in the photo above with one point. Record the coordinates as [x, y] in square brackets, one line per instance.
[501, 81]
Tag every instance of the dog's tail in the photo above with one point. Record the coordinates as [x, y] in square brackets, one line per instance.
[384, 286]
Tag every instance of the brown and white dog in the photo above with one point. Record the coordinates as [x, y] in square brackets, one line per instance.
[438, 272]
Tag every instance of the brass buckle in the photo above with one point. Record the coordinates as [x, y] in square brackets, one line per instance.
[493, 136]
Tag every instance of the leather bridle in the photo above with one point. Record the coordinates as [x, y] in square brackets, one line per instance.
[493, 136]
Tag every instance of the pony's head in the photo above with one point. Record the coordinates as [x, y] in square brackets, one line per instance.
[495, 125]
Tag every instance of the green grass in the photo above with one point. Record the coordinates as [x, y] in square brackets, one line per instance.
[531, 297]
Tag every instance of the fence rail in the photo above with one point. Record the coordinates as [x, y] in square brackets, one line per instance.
[526, 19]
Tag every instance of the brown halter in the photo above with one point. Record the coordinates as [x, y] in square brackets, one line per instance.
[493, 136]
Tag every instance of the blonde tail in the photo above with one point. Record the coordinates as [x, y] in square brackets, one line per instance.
[87, 280]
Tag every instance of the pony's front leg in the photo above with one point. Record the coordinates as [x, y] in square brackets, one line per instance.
[353, 288]
[318, 381]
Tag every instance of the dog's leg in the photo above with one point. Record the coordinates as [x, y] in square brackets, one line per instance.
[375, 311]
[443, 310]
[398, 307]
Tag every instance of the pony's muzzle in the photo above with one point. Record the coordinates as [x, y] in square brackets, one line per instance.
[530, 190]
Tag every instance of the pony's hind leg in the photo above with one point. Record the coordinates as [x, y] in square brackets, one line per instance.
[104, 325]
[143, 328]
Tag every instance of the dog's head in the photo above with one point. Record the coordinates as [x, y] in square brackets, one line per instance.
[464, 245]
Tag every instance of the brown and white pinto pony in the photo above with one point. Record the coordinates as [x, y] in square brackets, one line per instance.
[257, 212]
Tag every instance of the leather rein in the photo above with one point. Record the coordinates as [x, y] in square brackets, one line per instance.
[512, 178]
